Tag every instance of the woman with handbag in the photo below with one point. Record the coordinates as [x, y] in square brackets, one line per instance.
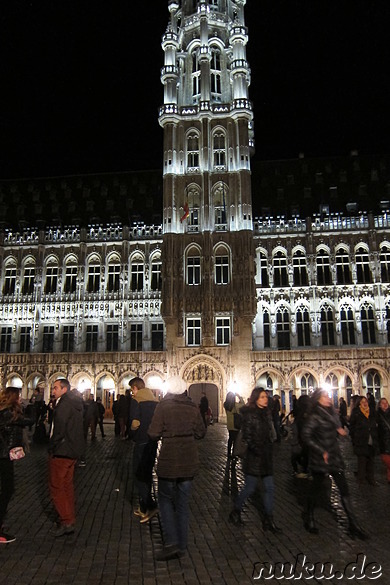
[232, 409]
[11, 448]
[259, 434]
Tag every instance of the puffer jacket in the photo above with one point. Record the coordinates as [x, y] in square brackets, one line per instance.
[67, 439]
[142, 408]
[178, 422]
[360, 429]
[258, 433]
[383, 420]
[11, 432]
[319, 434]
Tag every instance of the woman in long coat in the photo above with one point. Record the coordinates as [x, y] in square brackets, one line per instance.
[11, 435]
[320, 433]
[259, 434]
[383, 418]
[364, 435]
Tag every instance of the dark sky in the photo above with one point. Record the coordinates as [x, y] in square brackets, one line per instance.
[80, 82]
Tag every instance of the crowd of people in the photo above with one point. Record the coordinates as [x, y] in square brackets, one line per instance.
[315, 431]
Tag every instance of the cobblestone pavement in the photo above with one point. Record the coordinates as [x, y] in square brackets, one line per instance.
[111, 547]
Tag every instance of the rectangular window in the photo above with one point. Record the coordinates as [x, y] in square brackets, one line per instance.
[193, 331]
[70, 279]
[157, 336]
[48, 339]
[303, 328]
[222, 330]
[137, 277]
[28, 280]
[5, 339]
[266, 330]
[68, 338]
[156, 276]
[9, 281]
[24, 342]
[51, 279]
[93, 278]
[136, 337]
[112, 337]
[221, 270]
[193, 270]
[114, 271]
[283, 329]
[323, 270]
[327, 327]
[92, 338]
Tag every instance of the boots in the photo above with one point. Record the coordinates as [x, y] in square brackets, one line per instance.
[269, 524]
[309, 521]
[235, 517]
[354, 529]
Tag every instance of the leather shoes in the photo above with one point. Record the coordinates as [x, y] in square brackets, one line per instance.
[62, 530]
[169, 552]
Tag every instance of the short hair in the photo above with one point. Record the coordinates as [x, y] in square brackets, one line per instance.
[64, 383]
[137, 382]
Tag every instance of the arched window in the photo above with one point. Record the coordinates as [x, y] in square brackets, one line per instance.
[156, 280]
[266, 328]
[308, 383]
[193, 197]
[193, 272]
[373, 383]
[300, 269]
[219, 150]
[327, 325]
[348, 389]
[70, 275]
[193, 151]
[196, 77]
[222, 265]
[367, 317]
[262, 269]
[137, 273]
[332, 384]
[113, 274]
[385, 263]
[280, 269]
[324, 276]
[28, 277]
[343, 267]
[51, 276]
[220, 206]
[363, 270]
[303, 327]
[9, 277]
[347, 323]
[215, 74]
[94, 272]
[283, 328]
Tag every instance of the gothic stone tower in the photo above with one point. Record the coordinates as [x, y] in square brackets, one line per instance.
[208, 297]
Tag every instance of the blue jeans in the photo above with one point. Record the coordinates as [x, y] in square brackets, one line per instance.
[250, 488]
[144, 455]
[173, 497]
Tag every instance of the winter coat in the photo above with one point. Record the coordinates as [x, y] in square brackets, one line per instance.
[142, 408]
[11, 432]
[67, 439]
[259, 433]
[383, 420]
[360, 429]
[319, 434]
[178, 422]
[230, 415]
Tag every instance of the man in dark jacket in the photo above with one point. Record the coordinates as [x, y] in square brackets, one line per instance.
[178, 422]
[65, 447]
[142, 408]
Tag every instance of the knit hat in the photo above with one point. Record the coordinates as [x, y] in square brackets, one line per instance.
[175, 385]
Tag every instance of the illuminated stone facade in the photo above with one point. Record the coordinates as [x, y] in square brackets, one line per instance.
[223, 298]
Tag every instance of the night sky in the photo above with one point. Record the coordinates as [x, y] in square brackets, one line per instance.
[81, 82]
